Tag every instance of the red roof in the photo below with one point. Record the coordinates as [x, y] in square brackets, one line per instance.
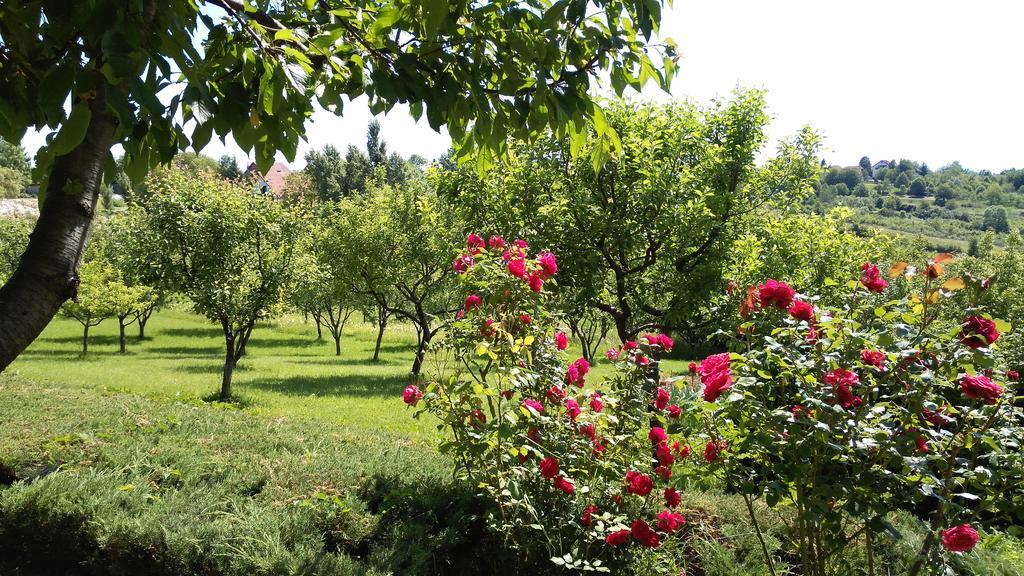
[276, 175]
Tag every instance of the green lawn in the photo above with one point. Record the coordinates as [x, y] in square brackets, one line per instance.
[286, 371]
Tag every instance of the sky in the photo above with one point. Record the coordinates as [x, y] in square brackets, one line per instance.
[936, 81]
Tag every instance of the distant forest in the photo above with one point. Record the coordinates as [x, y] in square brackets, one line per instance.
[949, 208]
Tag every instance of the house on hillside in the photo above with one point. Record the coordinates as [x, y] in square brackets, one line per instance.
[878, 166]
[273, 181]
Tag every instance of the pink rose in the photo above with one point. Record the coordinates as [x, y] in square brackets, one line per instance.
[531, 403]
[496, 242]
[595, 403]
[547, 264]
[474, 242]
[674, 411]
[661, 398]
[472, 302]
[612, 354]
[462, 263]
[535, 282]
[657, 435]
[572, 409]
[411, 395]
[561, 340]
[517, 268]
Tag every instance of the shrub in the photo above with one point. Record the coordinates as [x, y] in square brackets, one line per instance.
[577, 474]
[844, 414]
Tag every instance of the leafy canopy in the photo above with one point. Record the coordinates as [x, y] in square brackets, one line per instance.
[174, 74]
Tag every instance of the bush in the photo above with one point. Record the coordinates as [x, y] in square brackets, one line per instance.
[845, 414]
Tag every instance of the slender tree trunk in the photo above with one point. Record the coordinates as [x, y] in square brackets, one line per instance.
[142, 319]
[421, 349]
[47, 274]
[85, 340]
[230, 360]
[337, 344]
[382, 323]
[120, 325]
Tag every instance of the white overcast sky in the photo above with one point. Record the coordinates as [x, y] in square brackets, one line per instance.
[934, 81]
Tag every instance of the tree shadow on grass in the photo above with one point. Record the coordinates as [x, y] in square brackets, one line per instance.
[357, 385]
[210, 332]
[333, 360]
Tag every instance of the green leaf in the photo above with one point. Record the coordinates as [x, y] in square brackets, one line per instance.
[434, 14]
[73, 131]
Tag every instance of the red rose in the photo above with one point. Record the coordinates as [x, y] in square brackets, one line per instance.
[657, 434]
[639, 484]
[960, 538]
[674, 411]
[666, 342]
[533, 434]
[411, 395]
[617, 538]
[472, 301]
[643, 534]
[922, 444]
[595, 403]
[547, 263]
[517, 268]
[874, 358]
[664, 454]
[692, 367]
[531, 403]
[535, 282]
[526, 318]
[669, 521]
[775, 293]
[561, 340]
[843, 381]
[572, 409]
[664, 472]
[661, 398]
[629, 345]
[462, 263]
[802, 310]
[642, 360]
[978, 332]
[711, 450]
[555, 393]
[477, 418]
[496, 242]
[564, 484]
[871, 278]
[672, 497]
[588, 513]
[981, 387]
[1013, 375]
[588, 430]
[474, 241]
[597, 448]
[548, 467]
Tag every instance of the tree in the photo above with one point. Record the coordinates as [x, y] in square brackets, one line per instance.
[326, 172]
[865, 167]
[849, 175]
[227, 168]
[13, 239]
[228, 250]
[995, 219]
[646, 235]
[376, 149]
[13, 156]
[93, 304]
[902, 181]
[399, 245]
[357, 172]
[321, 283]
[12, 182]
[255, 71]
[918, 188]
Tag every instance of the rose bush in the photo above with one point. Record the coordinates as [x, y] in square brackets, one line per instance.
[838, 416]
[578, 473]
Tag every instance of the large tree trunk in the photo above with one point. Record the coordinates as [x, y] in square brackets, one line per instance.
[382, 323]
[48, 272]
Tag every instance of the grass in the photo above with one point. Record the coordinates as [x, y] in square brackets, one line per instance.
[286, 371]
